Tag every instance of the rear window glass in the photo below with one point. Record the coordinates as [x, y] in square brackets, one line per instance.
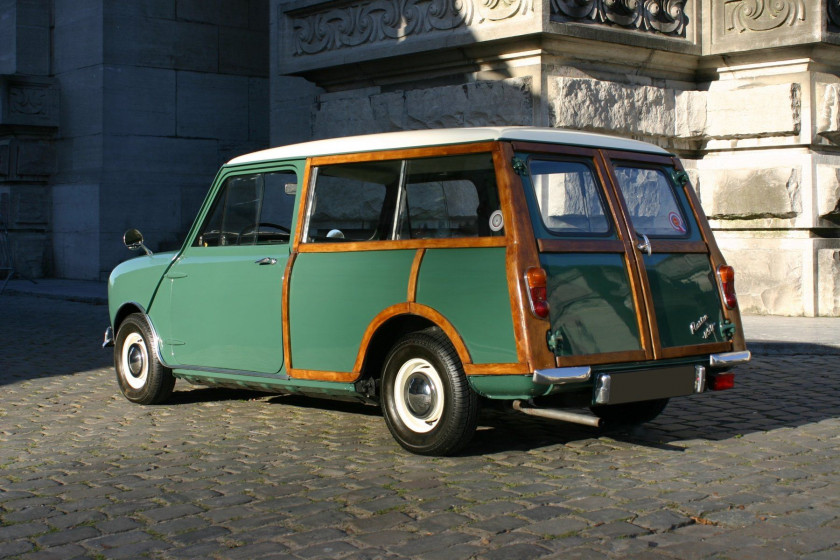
[568, 197]
[651, 204]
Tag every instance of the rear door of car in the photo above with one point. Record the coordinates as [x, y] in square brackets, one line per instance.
[628, 265]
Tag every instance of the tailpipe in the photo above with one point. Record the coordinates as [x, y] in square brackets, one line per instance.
[555, 414]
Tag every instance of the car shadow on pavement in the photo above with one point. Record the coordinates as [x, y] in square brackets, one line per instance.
[772, 392]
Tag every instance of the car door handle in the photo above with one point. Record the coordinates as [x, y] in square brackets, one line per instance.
[266, 260]
[644, 246]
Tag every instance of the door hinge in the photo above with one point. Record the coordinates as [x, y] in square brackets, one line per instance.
[519, 166]
[554, 340]
[681, 178]
[727, 329]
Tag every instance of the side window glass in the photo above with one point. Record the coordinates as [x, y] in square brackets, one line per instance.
[353, 202]
[233, 218]
[650, 200]
[450, 197]
[568, 197]
[278, 205]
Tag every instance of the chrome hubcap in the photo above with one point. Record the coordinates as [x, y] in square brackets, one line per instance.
[135, 360]
[420, 395]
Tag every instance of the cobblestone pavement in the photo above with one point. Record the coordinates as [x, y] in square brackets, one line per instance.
[748, 473]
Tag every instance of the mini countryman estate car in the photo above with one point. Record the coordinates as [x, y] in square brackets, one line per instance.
[433, 271]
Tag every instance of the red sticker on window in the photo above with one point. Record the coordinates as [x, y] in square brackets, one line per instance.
[676, 222]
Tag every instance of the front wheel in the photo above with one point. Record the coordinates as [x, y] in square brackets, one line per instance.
[140, 375]
[630, 413]
[426, 400]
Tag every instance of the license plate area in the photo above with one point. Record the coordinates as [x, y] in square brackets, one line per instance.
[644, 385]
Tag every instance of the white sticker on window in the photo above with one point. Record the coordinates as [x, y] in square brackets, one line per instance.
[497, 222]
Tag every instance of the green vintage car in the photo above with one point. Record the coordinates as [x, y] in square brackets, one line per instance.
[432, 271]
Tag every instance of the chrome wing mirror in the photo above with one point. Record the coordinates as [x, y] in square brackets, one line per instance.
[133, 239]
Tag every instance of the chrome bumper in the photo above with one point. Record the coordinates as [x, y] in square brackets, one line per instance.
[562, 376]
[109, 337]
[729, 359]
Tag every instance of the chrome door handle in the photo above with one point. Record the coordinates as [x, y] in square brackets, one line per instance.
[645, 245]
[266, 260]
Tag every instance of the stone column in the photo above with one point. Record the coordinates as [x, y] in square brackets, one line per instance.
[28, 122]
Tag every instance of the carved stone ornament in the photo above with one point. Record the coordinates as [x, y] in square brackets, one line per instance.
[27, 100]
[359, 23]
[834, 12]
[762, 15]
[656, 16]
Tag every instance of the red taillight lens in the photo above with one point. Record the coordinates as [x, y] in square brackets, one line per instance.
[726, 275]
[721, 381]
[537, 292]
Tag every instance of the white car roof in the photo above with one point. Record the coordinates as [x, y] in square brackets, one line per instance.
[444, 136]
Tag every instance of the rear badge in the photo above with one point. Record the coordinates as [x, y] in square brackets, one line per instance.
[497, 222]
[676, 222]
[703, 326]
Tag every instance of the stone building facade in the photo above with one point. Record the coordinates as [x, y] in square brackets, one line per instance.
[747, 92]
[116, 113]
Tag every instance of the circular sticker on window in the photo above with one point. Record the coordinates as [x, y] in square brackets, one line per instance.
[497, 222]
[676, 222]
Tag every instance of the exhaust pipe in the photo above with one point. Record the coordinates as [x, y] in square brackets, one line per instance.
[555, 414]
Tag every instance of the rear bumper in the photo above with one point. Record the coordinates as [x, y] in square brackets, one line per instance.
[651, 381]
[729, 359]
[582, 374]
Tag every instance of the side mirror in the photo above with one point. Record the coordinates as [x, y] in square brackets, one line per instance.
[133, 239]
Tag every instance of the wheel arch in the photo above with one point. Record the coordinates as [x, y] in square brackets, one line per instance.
[392, 324]
[124, 311]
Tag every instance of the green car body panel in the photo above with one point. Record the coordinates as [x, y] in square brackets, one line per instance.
[469, 288]
[135, 281]
[333, 298]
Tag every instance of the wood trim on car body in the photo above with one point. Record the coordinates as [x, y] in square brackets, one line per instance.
[580, 246]
[411, 297]
[402, 244]
[521, 254]
[287, 340]
[421, 311]
[647, 319]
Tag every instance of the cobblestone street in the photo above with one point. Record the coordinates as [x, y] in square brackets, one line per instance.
[749, 473]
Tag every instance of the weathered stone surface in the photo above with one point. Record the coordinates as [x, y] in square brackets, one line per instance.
[751, 194]
[828, 193]
[636, 110]
[746, 112]
[480, 103]
[773, 276]
[828, 282]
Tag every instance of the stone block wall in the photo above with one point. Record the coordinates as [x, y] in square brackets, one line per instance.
[745, 91]
[156, 96]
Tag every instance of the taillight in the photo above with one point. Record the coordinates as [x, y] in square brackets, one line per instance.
[721, 381]
[726, 276]
[537, 292]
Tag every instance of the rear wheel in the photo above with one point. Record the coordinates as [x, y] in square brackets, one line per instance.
[426, 400]
[140, 375]
[630, 413]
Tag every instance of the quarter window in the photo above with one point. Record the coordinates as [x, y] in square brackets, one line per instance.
[451, 197]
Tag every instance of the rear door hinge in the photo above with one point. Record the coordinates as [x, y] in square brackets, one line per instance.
[519, 166]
